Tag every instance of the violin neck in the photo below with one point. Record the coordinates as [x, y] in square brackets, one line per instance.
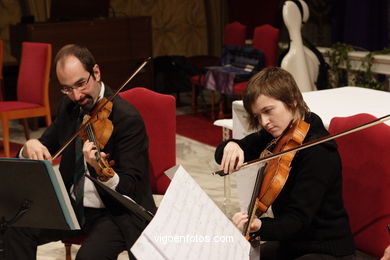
[92, 138]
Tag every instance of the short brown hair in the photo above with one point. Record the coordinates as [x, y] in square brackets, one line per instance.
[276, 83]
[80, 52]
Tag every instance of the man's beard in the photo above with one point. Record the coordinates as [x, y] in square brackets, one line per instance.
[87, 107]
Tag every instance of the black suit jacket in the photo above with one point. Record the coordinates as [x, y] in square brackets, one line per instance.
[127, 146]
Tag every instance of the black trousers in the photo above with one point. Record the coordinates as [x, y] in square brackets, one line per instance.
[104, 238]
[271, 251]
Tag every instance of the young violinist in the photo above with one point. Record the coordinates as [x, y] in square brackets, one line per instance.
[310, 221]
[109, 229]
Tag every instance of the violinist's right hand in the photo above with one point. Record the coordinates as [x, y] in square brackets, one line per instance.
[240, 218]
[233, 157]
[34, 149]
[386, 255]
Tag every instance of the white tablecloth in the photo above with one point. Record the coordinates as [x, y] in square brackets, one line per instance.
[329, 103]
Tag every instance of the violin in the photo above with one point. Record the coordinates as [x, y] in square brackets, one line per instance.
[273, 176]
[98, 131]
[94, 127]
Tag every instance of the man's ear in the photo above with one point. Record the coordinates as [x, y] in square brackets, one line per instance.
[96, 72]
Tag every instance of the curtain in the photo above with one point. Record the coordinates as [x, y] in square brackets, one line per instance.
[216, 16]
[362, 23]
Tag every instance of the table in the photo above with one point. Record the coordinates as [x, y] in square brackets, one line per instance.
[328, 103]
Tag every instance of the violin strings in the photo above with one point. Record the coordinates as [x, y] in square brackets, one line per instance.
[92, 138]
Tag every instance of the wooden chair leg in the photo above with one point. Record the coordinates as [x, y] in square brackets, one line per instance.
[6, 147]
[48, 119]
[68, 252]
[194, 99]
[221, 113]
[35, 125]
[25, 128]
[212, 101]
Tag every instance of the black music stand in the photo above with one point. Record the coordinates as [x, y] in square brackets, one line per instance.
[128, 204]
[33, 195]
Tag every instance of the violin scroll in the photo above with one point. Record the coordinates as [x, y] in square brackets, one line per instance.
[107, 171]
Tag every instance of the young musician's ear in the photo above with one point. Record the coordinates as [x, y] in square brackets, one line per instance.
[295, 110]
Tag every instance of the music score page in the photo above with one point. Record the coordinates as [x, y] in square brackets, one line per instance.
[188, 225]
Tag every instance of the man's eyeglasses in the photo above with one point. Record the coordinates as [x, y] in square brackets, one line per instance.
[79, 86]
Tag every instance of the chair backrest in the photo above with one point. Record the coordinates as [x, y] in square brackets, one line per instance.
[34, 73]
[266, 39]
[366, 181]
[234, 34]
[159, 114]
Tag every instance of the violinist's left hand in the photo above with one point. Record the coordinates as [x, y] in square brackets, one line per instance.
[89, 151]
[240, 218]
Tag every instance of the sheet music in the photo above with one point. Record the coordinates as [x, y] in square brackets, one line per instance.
[188, 225]
[62, 196]
[246, 179]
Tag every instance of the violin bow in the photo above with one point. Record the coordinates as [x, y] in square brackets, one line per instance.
[310, 143]
[82, 127]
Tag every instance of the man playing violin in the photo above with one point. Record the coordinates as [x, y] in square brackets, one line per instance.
[310, 221]
[109, 228]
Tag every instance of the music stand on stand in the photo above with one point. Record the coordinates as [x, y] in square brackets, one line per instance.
[33, 195]
[127, 203]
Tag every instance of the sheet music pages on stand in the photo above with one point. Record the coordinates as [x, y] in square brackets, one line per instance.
[188, 225]
[62, 196]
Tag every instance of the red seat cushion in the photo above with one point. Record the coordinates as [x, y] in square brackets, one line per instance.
[16, 105]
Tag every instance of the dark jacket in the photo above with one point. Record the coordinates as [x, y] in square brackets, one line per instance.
[309, 211]
[127, 146]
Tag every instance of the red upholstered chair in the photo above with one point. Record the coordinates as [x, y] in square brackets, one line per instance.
[159, 114]
[234, 34]
[32, 90]
[366, 181]
[266, 39]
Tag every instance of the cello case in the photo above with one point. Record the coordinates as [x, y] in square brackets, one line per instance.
[304, 63]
